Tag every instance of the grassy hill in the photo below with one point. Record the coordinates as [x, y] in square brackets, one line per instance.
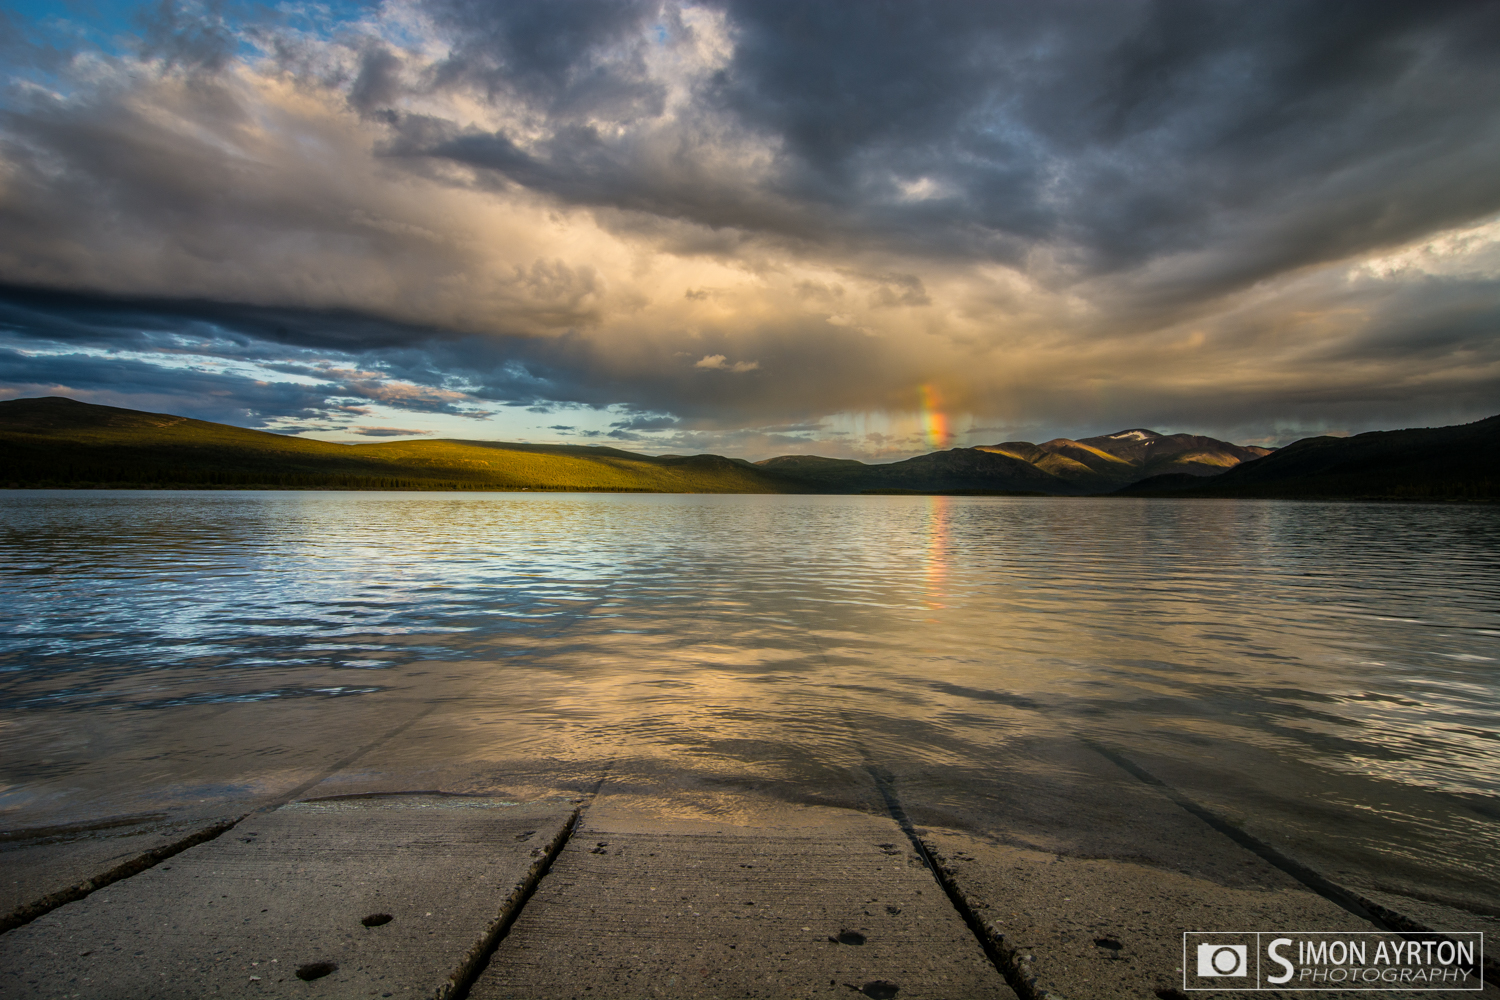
[1438, 463]
[61, 442]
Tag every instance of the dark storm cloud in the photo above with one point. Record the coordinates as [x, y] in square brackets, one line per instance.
[646, 422]
[378, 83]
[1130, 131]
[563, 57]
[55, 328]
[287, 340]
[1278, 134]
[119, 321]
[144, 385]
[1274, 134]
[385, 431]
[197, 38]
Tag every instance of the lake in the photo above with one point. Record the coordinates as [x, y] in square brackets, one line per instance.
[1323, 675]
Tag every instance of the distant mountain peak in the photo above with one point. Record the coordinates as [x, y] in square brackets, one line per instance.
[1138, 434]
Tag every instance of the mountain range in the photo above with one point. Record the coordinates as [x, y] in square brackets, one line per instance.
[1436, 463]
[1060, 466]
[55, 441]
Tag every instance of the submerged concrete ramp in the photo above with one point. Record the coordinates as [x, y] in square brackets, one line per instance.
[1082, 889]
[47, 867]
[843, 908]
[1102, 927]
[398, 895]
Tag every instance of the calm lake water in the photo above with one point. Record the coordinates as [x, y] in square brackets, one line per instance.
[1324, 674]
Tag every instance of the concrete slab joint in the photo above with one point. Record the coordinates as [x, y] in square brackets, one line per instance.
[48, 868]
[841, 908]
[392, 895]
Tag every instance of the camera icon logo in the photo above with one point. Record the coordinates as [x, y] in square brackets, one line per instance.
[1223, 960]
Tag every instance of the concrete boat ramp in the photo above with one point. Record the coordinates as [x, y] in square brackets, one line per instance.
[616, 894]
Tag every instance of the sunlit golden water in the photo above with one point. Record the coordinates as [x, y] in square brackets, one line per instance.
[1324, 669]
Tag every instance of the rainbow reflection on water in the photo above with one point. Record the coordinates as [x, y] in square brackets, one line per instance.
[937, 551]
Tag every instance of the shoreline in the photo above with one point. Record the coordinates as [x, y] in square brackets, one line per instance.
[271, 488]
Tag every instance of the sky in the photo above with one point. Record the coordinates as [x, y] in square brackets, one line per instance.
[858, 229]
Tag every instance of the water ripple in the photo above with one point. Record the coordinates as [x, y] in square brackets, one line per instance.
[1357, 640]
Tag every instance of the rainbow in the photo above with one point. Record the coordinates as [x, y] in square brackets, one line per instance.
[934, 420]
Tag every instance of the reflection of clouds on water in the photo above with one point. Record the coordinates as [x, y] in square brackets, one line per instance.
[1287, 619]
[1293, 652]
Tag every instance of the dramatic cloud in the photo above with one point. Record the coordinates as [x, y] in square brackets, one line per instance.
[762, 226]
